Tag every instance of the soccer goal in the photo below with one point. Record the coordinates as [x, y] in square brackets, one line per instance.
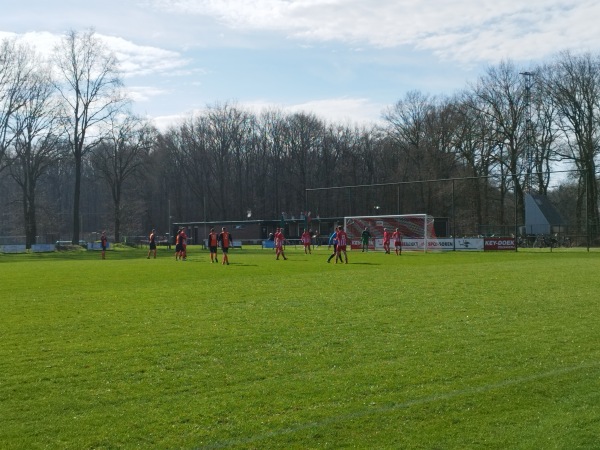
[416, 229]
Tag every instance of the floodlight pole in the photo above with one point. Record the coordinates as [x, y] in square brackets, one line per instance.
[528, 131]
[169, 223]
[516, 213]
[587, 203]
[453, 220]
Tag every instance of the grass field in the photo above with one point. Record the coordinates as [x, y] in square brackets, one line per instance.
[423, 351]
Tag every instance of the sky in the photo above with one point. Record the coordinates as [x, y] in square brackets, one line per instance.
[344, 60]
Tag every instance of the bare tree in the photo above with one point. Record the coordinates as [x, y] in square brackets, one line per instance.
[120, 155]
[89, 85]
[476, 146]
[15, 72]
[546, 143]
[272, 169]
[501, 98]
[188, 148]
[36, 145]
[422, 128]
[407, 127]
[196, 165]
[303, 142]
[226, 130]
[242, 129]
[572, 83]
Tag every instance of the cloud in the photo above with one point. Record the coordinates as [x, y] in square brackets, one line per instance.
[142, 94]
[178, 54]
[42, 42]
[144, 60]
[135, 60]
[163, 123]
[461, 30]
[360, 111]
[349, 111]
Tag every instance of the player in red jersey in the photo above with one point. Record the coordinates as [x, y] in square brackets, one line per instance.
[226, 240]
[183, 243]
[279, 240]
[386, 240]
[213, 244]
[342, 239]
[397, 238]
[306, 241]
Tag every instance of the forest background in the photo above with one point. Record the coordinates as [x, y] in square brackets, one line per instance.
[74, 159]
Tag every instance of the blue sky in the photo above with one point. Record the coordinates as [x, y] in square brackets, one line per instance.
[344, 60]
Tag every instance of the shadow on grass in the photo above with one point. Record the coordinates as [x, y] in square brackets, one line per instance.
[79, 254]
[365, 263]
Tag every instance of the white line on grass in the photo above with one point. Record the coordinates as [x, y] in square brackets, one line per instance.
[395, 406]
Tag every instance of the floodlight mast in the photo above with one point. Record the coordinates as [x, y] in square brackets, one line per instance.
[528, 130]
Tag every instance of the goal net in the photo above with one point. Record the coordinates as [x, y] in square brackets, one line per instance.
[416, 230]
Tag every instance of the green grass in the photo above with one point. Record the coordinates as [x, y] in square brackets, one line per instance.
[436, 351]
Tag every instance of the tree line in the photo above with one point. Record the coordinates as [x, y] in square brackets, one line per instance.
[74, 159]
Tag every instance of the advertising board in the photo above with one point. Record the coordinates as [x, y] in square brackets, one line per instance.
[499, 243]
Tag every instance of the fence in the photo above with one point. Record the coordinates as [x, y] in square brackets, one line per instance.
[473, 206]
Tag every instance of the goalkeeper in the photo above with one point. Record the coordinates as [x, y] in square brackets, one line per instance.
[364, 237]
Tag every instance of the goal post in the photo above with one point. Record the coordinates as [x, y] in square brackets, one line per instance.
[416, 229]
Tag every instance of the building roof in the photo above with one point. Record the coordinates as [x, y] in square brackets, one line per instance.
[547, 209]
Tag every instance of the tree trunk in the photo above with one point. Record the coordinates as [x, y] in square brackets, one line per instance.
[76, 199]
[593, 220]
[117, 224]
[30, 216]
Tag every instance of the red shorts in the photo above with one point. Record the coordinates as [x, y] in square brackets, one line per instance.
[341, 248]
[398, 243]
